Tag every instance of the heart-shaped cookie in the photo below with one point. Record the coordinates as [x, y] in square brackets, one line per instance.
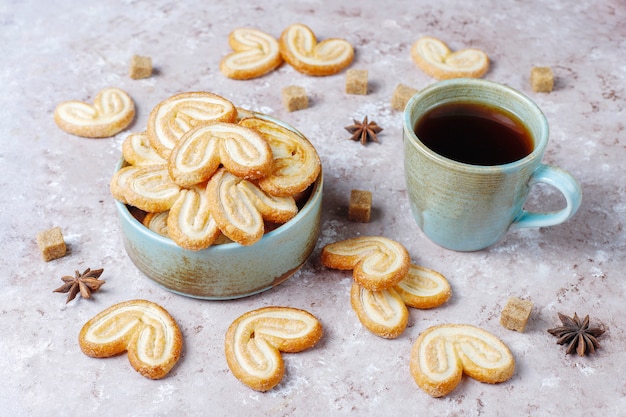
[377, 263]
[189, 222]
[256, 54]
[442, 354]
[137, 151]
[198, 154]
[423, 288]
[177, 115]
[111, 112]
[254, 341]
[435, 59]
[296, 163]
[149, 188]
[157, 222]
[384, 313]
[300, 49]
[240, 207]
[142, 328]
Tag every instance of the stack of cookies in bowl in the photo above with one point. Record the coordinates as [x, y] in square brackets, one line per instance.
[210, 195]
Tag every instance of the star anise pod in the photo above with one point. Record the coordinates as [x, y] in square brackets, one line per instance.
[577, 334]
[86, 283]
[364, 131]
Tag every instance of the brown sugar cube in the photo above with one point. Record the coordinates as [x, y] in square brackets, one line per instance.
[356, 81]
[140, 67]
[401, 96]
[541, 79]
[51, 244]
[295, 98]
[515, 314]
[360, 207]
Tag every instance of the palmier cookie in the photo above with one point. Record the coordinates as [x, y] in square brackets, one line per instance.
[198, 154]
[254, 341]
[256, 54]
[300, 49]
[384, 313]
[136, 150]
[142, 328]
[423, 288]
[177, 115]
[239, 207]
[157, 222]
[148, 188]
[189, 222]
[435, 59]
[119, 182]
[296, 163]
[243, 114]
[111, 112]
[442, 353]
[377, 263]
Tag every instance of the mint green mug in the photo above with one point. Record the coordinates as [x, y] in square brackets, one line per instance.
[468, 207]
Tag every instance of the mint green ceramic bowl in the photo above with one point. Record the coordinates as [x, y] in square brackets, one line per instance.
[228, 270]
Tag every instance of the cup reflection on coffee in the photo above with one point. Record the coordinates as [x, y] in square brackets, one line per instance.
[472, 152]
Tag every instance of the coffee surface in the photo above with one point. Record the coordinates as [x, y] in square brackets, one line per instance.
[474, 134]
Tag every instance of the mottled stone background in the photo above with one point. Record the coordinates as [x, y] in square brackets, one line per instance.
[58, 50]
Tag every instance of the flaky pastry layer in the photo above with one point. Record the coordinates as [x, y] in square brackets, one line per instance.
[377, 263]
[148, 188]
[299, 47]
[442, 354]
[423, 288]
[296, 163]
[198, 154]
[255, 54]
[239, 207]
[435, 59]
[157, 222]
[253, 343]
[112, 111]
[142, 328]
[137, 151]
[189, 222]
[381, 312]
[178, 114]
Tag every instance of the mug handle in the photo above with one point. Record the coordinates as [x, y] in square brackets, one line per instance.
[563, 182]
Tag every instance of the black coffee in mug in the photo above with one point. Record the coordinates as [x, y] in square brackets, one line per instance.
[474, 134]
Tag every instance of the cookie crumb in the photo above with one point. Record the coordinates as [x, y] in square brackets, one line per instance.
[140, 67]
[51, 244]
[360, 208]
[515, 314]
[356, 82]
[541, 79]
[295, 98]
[401, 96]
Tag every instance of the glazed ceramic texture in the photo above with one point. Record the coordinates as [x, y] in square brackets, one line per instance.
[470, 207]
